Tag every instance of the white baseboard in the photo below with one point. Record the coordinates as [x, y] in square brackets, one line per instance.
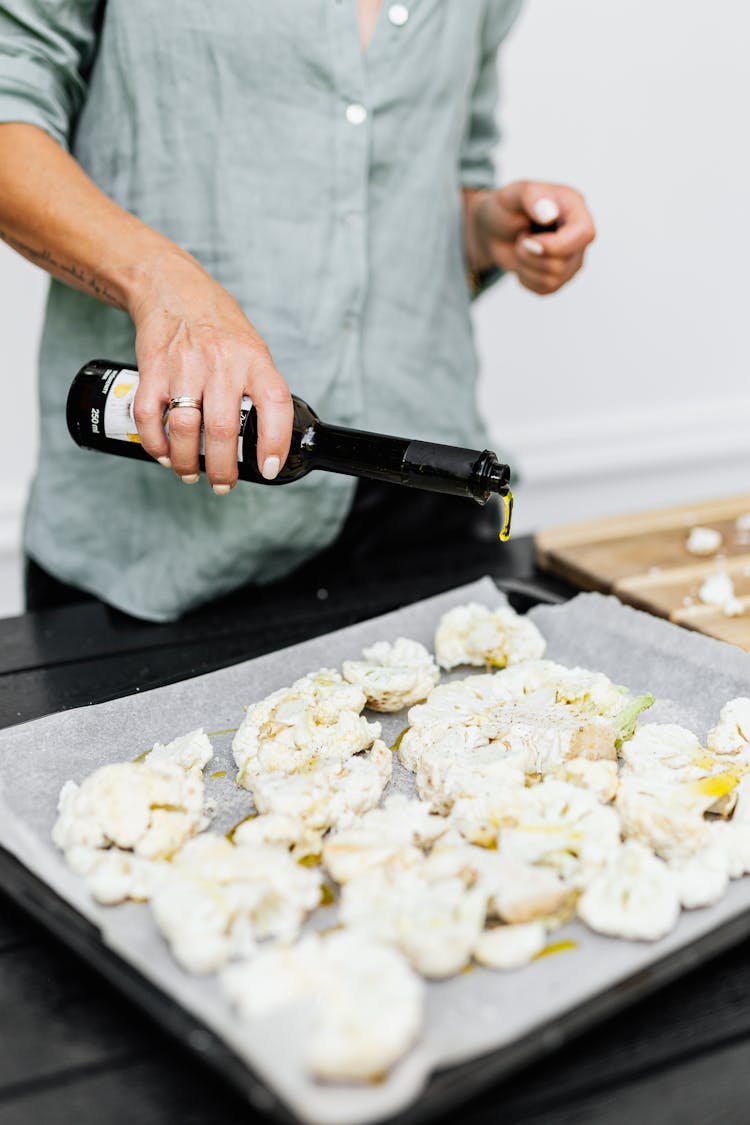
[694, 435]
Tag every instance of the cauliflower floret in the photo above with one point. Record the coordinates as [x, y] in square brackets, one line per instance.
[702, 878]
[560, 826]
[219, 899]
[510, 947]
[329, 793]
[368, 1001]
[281, 832]
[636, 896]
[517, 892]
[473, 634]
[434, 922]
[462, 765]
[317, 717]
[734, 840]
[393, 676]
[113, 875]
[600, 778]
[669, 749]
[131, 805]
[731, 735]
[664, 814]
[393, 835]
[191, 751]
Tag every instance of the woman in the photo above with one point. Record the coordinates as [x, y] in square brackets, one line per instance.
[225, 193]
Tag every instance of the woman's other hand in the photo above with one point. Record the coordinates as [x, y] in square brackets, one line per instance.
[500, 232]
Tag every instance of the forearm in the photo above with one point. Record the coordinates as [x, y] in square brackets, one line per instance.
[478, 256]
[54, 215]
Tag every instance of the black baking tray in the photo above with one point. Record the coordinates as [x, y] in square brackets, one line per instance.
[446, 1088]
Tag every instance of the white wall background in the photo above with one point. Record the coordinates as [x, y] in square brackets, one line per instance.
[629, 388]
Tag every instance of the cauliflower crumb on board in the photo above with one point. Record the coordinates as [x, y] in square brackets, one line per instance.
[540, 796]
[703, 541]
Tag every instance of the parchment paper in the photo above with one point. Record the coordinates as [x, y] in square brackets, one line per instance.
[691, 676]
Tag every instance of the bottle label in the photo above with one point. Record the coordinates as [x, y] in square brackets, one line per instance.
[118, 422]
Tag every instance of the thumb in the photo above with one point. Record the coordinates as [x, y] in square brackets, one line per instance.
[531, 200]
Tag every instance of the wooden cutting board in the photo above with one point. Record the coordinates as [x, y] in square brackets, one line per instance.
[643, 559]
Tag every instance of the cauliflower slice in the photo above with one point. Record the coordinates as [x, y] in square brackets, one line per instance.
[219, 899]
[317, 717]
[473, 634]
[393, 676]
[368, 1002]
[393, 835]
[636, 896]
[329, 793]
[434, 922]
[510, 947]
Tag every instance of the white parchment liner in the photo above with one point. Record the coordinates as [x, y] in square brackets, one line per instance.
[691, 676]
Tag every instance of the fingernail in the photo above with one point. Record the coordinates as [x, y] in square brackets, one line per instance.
[191, 478]
[222, 489]
[271, 467]
[533, 246]
[546, 210]
[165, 462]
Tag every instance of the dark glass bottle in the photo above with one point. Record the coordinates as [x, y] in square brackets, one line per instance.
[100, 416]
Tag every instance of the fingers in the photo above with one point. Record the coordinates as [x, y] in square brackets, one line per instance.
[221, 420]
[184, 422]
[546, 276]
[273, 404]
[148, 412]
[575, 226]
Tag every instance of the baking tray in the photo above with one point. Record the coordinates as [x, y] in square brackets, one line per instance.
[447, 1086]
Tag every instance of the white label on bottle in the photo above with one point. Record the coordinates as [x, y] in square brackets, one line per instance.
[118, 423]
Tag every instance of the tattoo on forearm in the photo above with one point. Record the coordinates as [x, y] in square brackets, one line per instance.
[46, 260]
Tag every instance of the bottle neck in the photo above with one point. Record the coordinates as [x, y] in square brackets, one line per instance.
[418, 464]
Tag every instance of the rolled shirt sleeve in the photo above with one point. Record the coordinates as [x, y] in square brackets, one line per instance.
[481, 136]
[46, 48]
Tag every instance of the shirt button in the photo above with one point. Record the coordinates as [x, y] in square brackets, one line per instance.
[356, 113]
[398, 14]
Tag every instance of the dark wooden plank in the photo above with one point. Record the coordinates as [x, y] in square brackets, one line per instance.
[712, 1089]
[57, 1015]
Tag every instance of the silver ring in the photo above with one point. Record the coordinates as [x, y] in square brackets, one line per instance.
[185, 400]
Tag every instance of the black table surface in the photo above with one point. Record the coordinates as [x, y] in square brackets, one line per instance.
[73, 1050]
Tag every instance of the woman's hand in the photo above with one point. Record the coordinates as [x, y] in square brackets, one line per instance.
[499, 232]
[193, 339]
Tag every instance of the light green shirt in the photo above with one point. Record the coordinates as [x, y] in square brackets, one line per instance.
[321, 187]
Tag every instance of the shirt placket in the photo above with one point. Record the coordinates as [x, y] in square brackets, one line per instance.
[352, 130]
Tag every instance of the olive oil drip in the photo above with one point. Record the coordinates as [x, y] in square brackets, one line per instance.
[556, 947]
[507, 499]
[230, 834]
